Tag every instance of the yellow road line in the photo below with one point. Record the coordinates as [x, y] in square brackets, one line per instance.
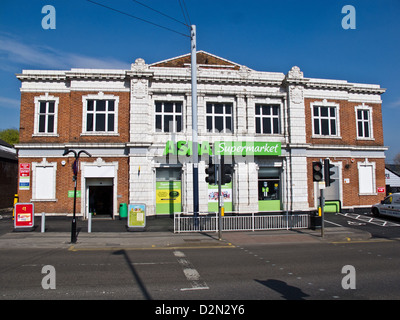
[363, 241]
[74, 249]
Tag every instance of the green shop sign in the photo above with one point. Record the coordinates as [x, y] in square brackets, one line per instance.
[185, 148]
[71, 193]
[227, 148]
[247, 148]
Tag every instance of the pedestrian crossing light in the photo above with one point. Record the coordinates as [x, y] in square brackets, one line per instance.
[226, 172]
[211, 172]
[317, 171]
[328, 173]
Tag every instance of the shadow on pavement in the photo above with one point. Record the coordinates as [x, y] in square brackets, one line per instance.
[287, 292]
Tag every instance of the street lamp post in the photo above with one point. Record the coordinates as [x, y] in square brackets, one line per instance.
[75, 170]
[193, 45]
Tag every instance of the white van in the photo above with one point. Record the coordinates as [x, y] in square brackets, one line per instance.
[390, 206]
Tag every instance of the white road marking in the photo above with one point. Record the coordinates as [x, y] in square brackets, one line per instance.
[336, 224]
[190, 273]
[368, 219]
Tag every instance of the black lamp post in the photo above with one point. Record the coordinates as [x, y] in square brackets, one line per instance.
[75, 170]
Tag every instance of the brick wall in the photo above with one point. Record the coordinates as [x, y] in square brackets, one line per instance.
[70, 112]
[64, 183]
[348, 124]
[348, 137]
[27, 116]
[351, 196]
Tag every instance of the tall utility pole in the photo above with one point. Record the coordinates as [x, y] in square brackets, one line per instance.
[194, 124]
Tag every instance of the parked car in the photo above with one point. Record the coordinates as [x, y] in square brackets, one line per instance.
[390, 206]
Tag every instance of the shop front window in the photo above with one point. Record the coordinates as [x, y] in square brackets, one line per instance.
[168, 191]
[269, 189]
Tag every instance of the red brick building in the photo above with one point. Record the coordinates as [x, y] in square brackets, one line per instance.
[52, 121]
[365, 136]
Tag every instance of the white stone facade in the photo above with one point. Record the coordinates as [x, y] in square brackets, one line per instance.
[243, 88]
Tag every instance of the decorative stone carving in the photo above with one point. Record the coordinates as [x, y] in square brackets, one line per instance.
[244, 71]
[139, 65]
[296, 94]
[295, 73]
[139, 88]
[99, 162]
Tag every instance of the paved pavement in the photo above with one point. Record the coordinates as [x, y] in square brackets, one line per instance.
[110, 234]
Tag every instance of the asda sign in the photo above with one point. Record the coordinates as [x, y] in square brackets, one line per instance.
[185, 148]
[227, 148]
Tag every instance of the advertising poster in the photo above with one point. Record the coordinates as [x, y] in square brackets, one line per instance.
[136, 215]
[168, 197]
[24, 215]
[226, 191]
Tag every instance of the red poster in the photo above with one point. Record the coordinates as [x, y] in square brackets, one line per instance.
[24, 214]
[24, 169]
[381, 190]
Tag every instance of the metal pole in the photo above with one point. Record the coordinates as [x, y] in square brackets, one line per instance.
[219, 200]
[194, 126]
[42, 227]
[322, 203]
[73, 227]
[90, 222]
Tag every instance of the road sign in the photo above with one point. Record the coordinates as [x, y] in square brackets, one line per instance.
[24, 215]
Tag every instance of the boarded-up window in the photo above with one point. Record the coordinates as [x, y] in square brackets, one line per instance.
[366, 178]
[44, 182]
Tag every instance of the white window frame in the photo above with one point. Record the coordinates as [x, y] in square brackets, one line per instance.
[163, 113]
[271, 116]
[327, 104]
[361, 183]
[99, 96]
[45, 98]
[223, 115]
[364, 107]
[35, 187]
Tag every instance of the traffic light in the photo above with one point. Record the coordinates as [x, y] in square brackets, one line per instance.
[317, 171]
[328, 173]
[211, 172]
[226, 172]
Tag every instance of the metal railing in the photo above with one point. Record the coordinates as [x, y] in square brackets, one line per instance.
[241, 222]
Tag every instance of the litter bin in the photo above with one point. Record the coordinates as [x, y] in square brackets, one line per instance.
[316, 221]
[123, 210]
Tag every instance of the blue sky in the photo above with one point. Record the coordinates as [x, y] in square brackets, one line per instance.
[264, 35]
